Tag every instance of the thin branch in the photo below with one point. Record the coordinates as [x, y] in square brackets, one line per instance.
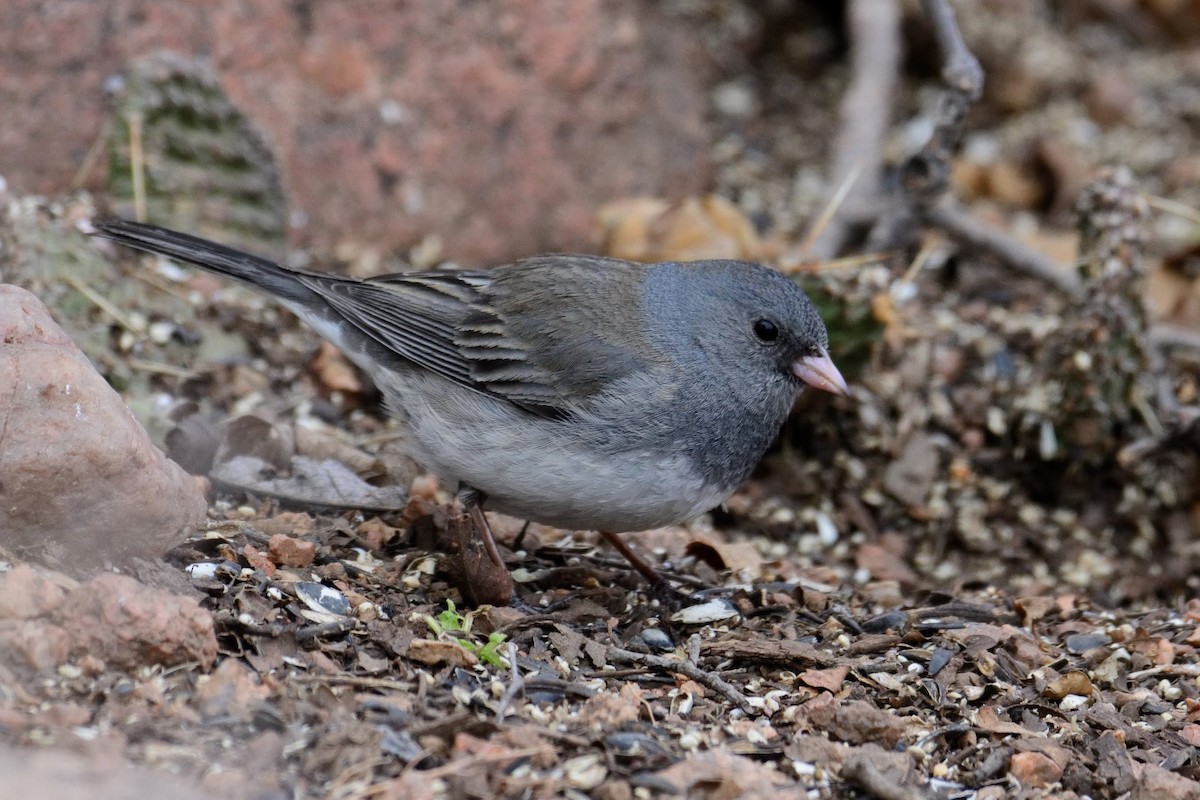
[968, 230]
[960, 67]
[701, 676]
[874, 29]
[515, 686]
[1167, 335]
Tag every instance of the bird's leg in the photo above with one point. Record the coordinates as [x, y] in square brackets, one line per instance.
[472, 500]
[640, 564]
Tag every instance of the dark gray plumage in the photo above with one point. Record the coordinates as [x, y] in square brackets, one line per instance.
[578, 391]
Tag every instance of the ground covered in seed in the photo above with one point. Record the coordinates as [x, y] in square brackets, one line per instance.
[977, 577]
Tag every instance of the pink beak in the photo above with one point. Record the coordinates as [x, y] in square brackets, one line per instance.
[819, 372]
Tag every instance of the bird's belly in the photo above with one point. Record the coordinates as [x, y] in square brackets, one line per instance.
[629, 493]
[550, 472]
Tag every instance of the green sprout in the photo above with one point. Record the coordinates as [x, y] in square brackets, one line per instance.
[450, 624]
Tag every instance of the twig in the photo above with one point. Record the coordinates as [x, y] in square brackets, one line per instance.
[156, 368]
[801, 253]
[357, 681]
[960, 68]
[101, 302]
[790, 266]
[1168, 206]
[701, 676]
[91, 158]
[1174, 670]
[874, 29]
[1166, 335]
[336, 628]
[927, 174]
[137, 166]
[968, 230]
[516, 684]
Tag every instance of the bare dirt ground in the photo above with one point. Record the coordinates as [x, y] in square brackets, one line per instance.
[975, 578]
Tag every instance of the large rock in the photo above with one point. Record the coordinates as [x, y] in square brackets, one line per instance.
[500, 127]
[47, 618]
[81, 485]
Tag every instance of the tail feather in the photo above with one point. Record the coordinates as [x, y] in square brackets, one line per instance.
[261, 273]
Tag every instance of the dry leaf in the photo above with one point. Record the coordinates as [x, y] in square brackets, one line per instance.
[829, 679]
[333, 372]
[650, 229]
[430, 651]
[1074, 682]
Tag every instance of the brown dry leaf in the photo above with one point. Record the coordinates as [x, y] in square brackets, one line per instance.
[1008, 182]
[989, 719]
[1074, 682]
[333, 372]
[376, 534]
[1173, 296]
[482, 581]
[1061, 247]
[568, 642]
[650, 229]
[722, 555]
[1166, 652]
[718, 775]
[830, 679]
[1034, 769]
[1034, 608]
[1013, 185]
[430, 651]
[854, 721]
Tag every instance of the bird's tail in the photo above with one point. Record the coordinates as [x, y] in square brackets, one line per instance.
[261, 273]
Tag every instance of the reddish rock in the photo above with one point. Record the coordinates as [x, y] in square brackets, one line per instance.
[500, 127]
[27, 593]
[111, 620]
[34, 645]
[289, 552]
[117, 619]
[81, 485]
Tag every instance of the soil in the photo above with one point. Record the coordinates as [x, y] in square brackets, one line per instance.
[976, 577]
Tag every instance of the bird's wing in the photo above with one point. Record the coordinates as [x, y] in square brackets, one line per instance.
[415, 316]
[538, 333]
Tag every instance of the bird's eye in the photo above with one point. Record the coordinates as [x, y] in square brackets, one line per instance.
[765, 330]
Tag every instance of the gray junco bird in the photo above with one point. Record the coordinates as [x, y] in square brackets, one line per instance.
[582, 392]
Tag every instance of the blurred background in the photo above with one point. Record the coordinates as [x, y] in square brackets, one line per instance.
[980, 569]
